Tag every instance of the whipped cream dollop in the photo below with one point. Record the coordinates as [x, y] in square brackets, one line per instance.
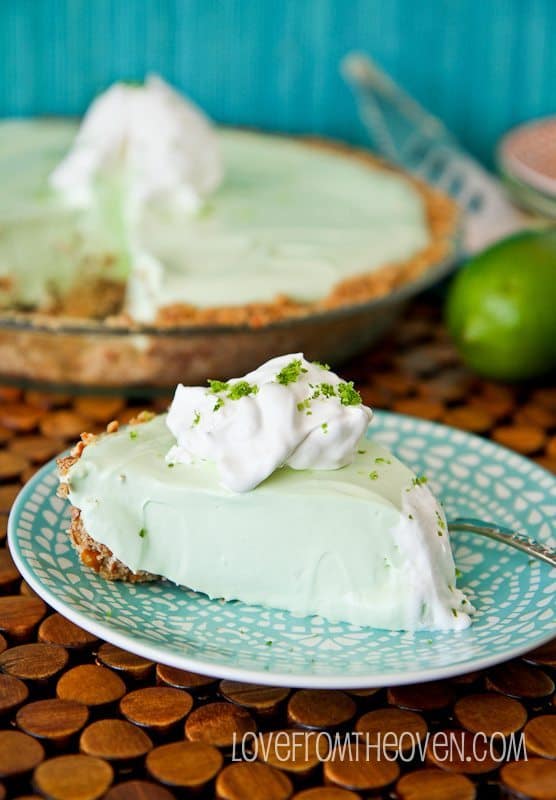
[288, 412]
[160, 144]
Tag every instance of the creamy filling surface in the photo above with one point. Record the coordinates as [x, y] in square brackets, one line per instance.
[288, 218]
[365, 544]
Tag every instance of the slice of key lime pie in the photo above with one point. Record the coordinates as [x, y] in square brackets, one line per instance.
[267, 489]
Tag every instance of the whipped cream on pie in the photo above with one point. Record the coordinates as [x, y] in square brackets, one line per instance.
[158, 144]
[293, 413]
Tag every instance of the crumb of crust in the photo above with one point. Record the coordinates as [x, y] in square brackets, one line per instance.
[142, 416]
[65, 463]
[100, 558]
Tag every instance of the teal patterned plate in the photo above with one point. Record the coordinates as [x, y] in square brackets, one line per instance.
[514, 595]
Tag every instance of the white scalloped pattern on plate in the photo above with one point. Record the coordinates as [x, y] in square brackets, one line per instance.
[473, 477]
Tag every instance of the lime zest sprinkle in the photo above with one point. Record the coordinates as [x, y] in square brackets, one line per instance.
[218, 386]
[349, 396]
[361, 452]
[268, 642]
[133, 434]
[242, 389]
[410, 516]
[419, 480]
[373, 475]
[219, 403]
[171, 464]
[381, 460]
[441, 523]
[143, 533]
[320, 365]
[304, 404]
[324, 427]
[454, 612]
[196, 418]
[459, 573]
[291, 372]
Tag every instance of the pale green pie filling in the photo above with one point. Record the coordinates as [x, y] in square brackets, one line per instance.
[288, 218]
[334, 543]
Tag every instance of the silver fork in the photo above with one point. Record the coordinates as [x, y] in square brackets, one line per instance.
[507, 536]
[405, 133]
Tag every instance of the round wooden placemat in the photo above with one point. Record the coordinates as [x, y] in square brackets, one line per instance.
[81, 719]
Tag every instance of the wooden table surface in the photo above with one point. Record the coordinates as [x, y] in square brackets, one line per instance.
[81, 719]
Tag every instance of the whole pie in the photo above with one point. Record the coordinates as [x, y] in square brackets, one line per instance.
[291, 225]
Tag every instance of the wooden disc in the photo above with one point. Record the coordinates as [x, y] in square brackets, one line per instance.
[459, 751]
[114, 740]
[326, 793]
[319, 708]
[262, 699]
[544, 656]
[540, 736]
[19, 417]
[252, 781]
[100, 409]
[520, 680]
[526, 439]
[362, 692]
[393, 729]
[12, 465]
[189, 765]
[423, 407]
[355, 767]
[56, 629]
[73, 777]
[467, 679]
[65, 424]
[473, 418]
[293, 750]
[13, 693]
[449, 386]
[19, 753]
[90, 685]
[490, 713]
[426, 697]
[9, 576]
[182, 679]
[54, 720]
[19, 615]
[138, 790]
[33, 662]
[134, 667]
[46, 400]
[534, 779]
[8, 493]
[36, 449]
[219, 724]
[432, 784]
[156, 707]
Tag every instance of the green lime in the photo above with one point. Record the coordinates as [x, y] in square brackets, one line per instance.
[501, 307]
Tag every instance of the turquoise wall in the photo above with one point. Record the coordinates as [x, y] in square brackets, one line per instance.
[482, 65]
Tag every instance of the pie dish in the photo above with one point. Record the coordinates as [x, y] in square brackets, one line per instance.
[299, 231]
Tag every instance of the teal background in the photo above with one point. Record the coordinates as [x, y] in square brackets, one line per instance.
[482, 65]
